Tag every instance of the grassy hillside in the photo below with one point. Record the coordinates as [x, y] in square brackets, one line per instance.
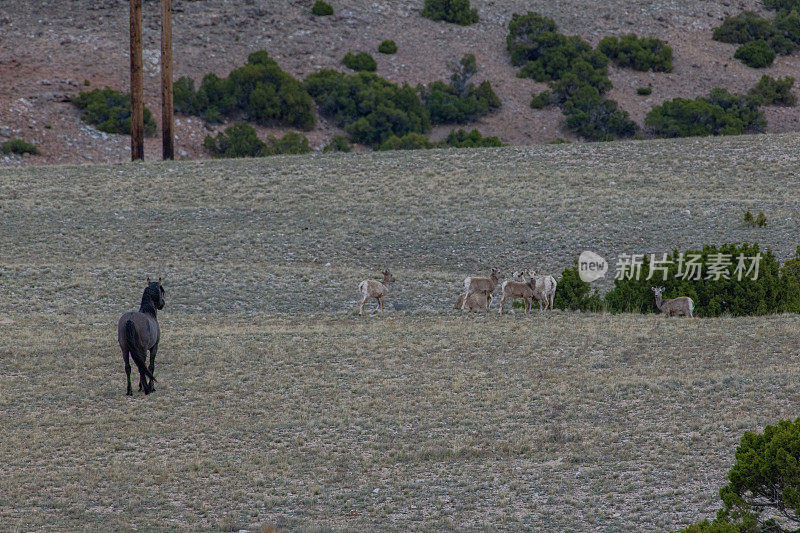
[563, 422]
[275, 404]
[256, 236]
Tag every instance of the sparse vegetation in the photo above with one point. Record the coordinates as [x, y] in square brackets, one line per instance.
[409, 141]
[110, 111]
[292, 143]
[756, 54]
[638, 53]
[322, 9]
[473, 139]
[360, 62]
[773, 91]
[460, 101]
[596, 119]
[19, 147]
[577, 73]
[783, 5]
[241, 140]
[387, 47]
[369, 108]
[758, 221]
[339, 143]
[787, 30]
[743, 28]
[455, 11]
[644, 91]
[760, 38]
[546, 55]
[373, 111]
[541, 100]
[259, 91]
[446, 105]
[720, 113]
[456, 139]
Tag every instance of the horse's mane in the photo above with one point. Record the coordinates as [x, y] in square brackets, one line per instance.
[150, 294]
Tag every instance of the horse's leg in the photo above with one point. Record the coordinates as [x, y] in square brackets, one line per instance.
[152, 366]
[143, 379]
[127, 359]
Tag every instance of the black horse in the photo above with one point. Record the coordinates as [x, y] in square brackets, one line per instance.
[138, 332]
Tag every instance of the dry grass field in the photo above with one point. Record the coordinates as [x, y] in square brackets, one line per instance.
[275, 404]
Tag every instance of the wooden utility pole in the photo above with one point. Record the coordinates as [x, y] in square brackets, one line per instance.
[137, 105]
[167, 142]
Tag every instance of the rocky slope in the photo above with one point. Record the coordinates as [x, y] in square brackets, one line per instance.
[48, 50]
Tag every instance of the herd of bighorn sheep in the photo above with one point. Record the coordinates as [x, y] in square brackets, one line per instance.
[478, 291]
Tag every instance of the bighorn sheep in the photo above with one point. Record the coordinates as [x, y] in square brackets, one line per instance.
[480, 286]
[544, 289]
[517, 289]
[474, 302]
[683, 305]
[370, 288]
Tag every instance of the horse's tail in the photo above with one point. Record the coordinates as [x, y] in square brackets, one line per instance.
[136, 350]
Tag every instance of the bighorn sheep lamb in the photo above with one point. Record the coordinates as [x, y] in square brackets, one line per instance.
[544, 288]
[481, 286]
[371, 288]
[474, 302]
[517, 289]
[683, 305]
